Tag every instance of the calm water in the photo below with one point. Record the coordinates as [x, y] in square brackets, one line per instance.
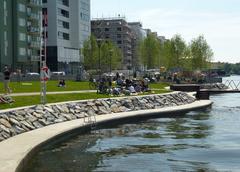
[207, 140]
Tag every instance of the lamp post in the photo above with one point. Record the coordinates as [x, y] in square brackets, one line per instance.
[99, 42]
[110, 60]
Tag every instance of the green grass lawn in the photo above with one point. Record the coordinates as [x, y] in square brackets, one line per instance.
[34, 86]
[21, 101]
[158, 85]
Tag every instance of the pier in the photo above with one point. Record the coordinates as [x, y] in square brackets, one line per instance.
[203, 91]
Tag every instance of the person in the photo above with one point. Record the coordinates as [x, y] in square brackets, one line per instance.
[5, 99]
[62, 83]
[6, 80]
[18, 75]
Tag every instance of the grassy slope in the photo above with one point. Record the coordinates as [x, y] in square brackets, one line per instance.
[33, 100]
[34, 86]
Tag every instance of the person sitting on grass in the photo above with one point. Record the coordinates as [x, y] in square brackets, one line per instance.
[62, 83]
[6, 99]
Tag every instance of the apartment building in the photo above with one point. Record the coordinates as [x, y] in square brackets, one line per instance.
[139, 35]
[68, 27]
[20, 34]
[119, 32]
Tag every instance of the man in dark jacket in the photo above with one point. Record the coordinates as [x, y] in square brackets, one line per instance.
[6, 81]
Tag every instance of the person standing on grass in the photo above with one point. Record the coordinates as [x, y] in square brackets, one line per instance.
[6, 80]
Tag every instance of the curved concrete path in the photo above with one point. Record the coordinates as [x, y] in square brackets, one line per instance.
[13, 151]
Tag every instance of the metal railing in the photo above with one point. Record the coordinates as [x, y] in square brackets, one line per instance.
[231, 84]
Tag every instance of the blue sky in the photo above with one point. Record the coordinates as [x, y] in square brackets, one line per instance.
[217, 20]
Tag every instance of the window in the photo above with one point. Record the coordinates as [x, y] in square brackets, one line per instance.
[63, 24]
[107, 36]
[5, 12]
[62, 35]
[5, 48]
[21, 7]
[22, 37]
[21, 22]
[119, 36]
[85, 28]
[119, 42]
[5, 35]
[107, 29]
[119, 29]
[22, 51]
[4, 5]
[5, 43]
[84, 17]
[84, 6]
[64, 2]
[63, 13]
[29, 52]
[44, 1]
[44, 11]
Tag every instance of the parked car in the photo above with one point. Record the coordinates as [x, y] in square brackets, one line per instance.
[32, 74]
[61, 73]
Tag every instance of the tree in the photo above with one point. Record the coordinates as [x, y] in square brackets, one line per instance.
[175, 52]
[90, 53]
[201, 53]
[178, 50]
[149, 50]
[110, 55]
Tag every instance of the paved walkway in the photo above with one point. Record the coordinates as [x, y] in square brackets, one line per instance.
[60, 92]
[54, 92]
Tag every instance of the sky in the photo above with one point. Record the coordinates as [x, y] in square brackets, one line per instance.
[217, 20]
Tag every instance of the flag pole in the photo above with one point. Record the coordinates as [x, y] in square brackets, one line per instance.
[43, 58]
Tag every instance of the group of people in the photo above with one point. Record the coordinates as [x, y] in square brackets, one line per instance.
[123, 86]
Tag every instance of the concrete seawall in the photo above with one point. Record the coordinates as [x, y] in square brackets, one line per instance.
[16, 149]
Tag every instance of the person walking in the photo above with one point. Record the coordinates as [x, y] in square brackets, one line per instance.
[6, 81]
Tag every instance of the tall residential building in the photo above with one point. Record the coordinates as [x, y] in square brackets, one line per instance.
[139, 35]
[119, 32]
[20, 34]
[68, 27]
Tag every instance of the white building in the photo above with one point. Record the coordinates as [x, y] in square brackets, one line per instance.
[68, 27]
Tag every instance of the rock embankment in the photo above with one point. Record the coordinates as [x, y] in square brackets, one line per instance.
[20, 121]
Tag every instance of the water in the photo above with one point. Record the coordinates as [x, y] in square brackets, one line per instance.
[207, 140]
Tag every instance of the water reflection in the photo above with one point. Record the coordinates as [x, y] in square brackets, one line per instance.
[206, 140]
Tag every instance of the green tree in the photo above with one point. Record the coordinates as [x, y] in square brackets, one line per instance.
[174, 53]
[90, 53]
[187, 60]
[149, 50]
[201, 53]
[110, 55]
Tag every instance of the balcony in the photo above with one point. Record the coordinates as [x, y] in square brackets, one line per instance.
[33, 16]
[35, 58]
[34, 4]
[33, 30]
[34, 45]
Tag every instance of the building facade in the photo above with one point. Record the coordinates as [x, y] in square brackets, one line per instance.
[20, 34]
[119, 32]
[68, 27]
[139, 35]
